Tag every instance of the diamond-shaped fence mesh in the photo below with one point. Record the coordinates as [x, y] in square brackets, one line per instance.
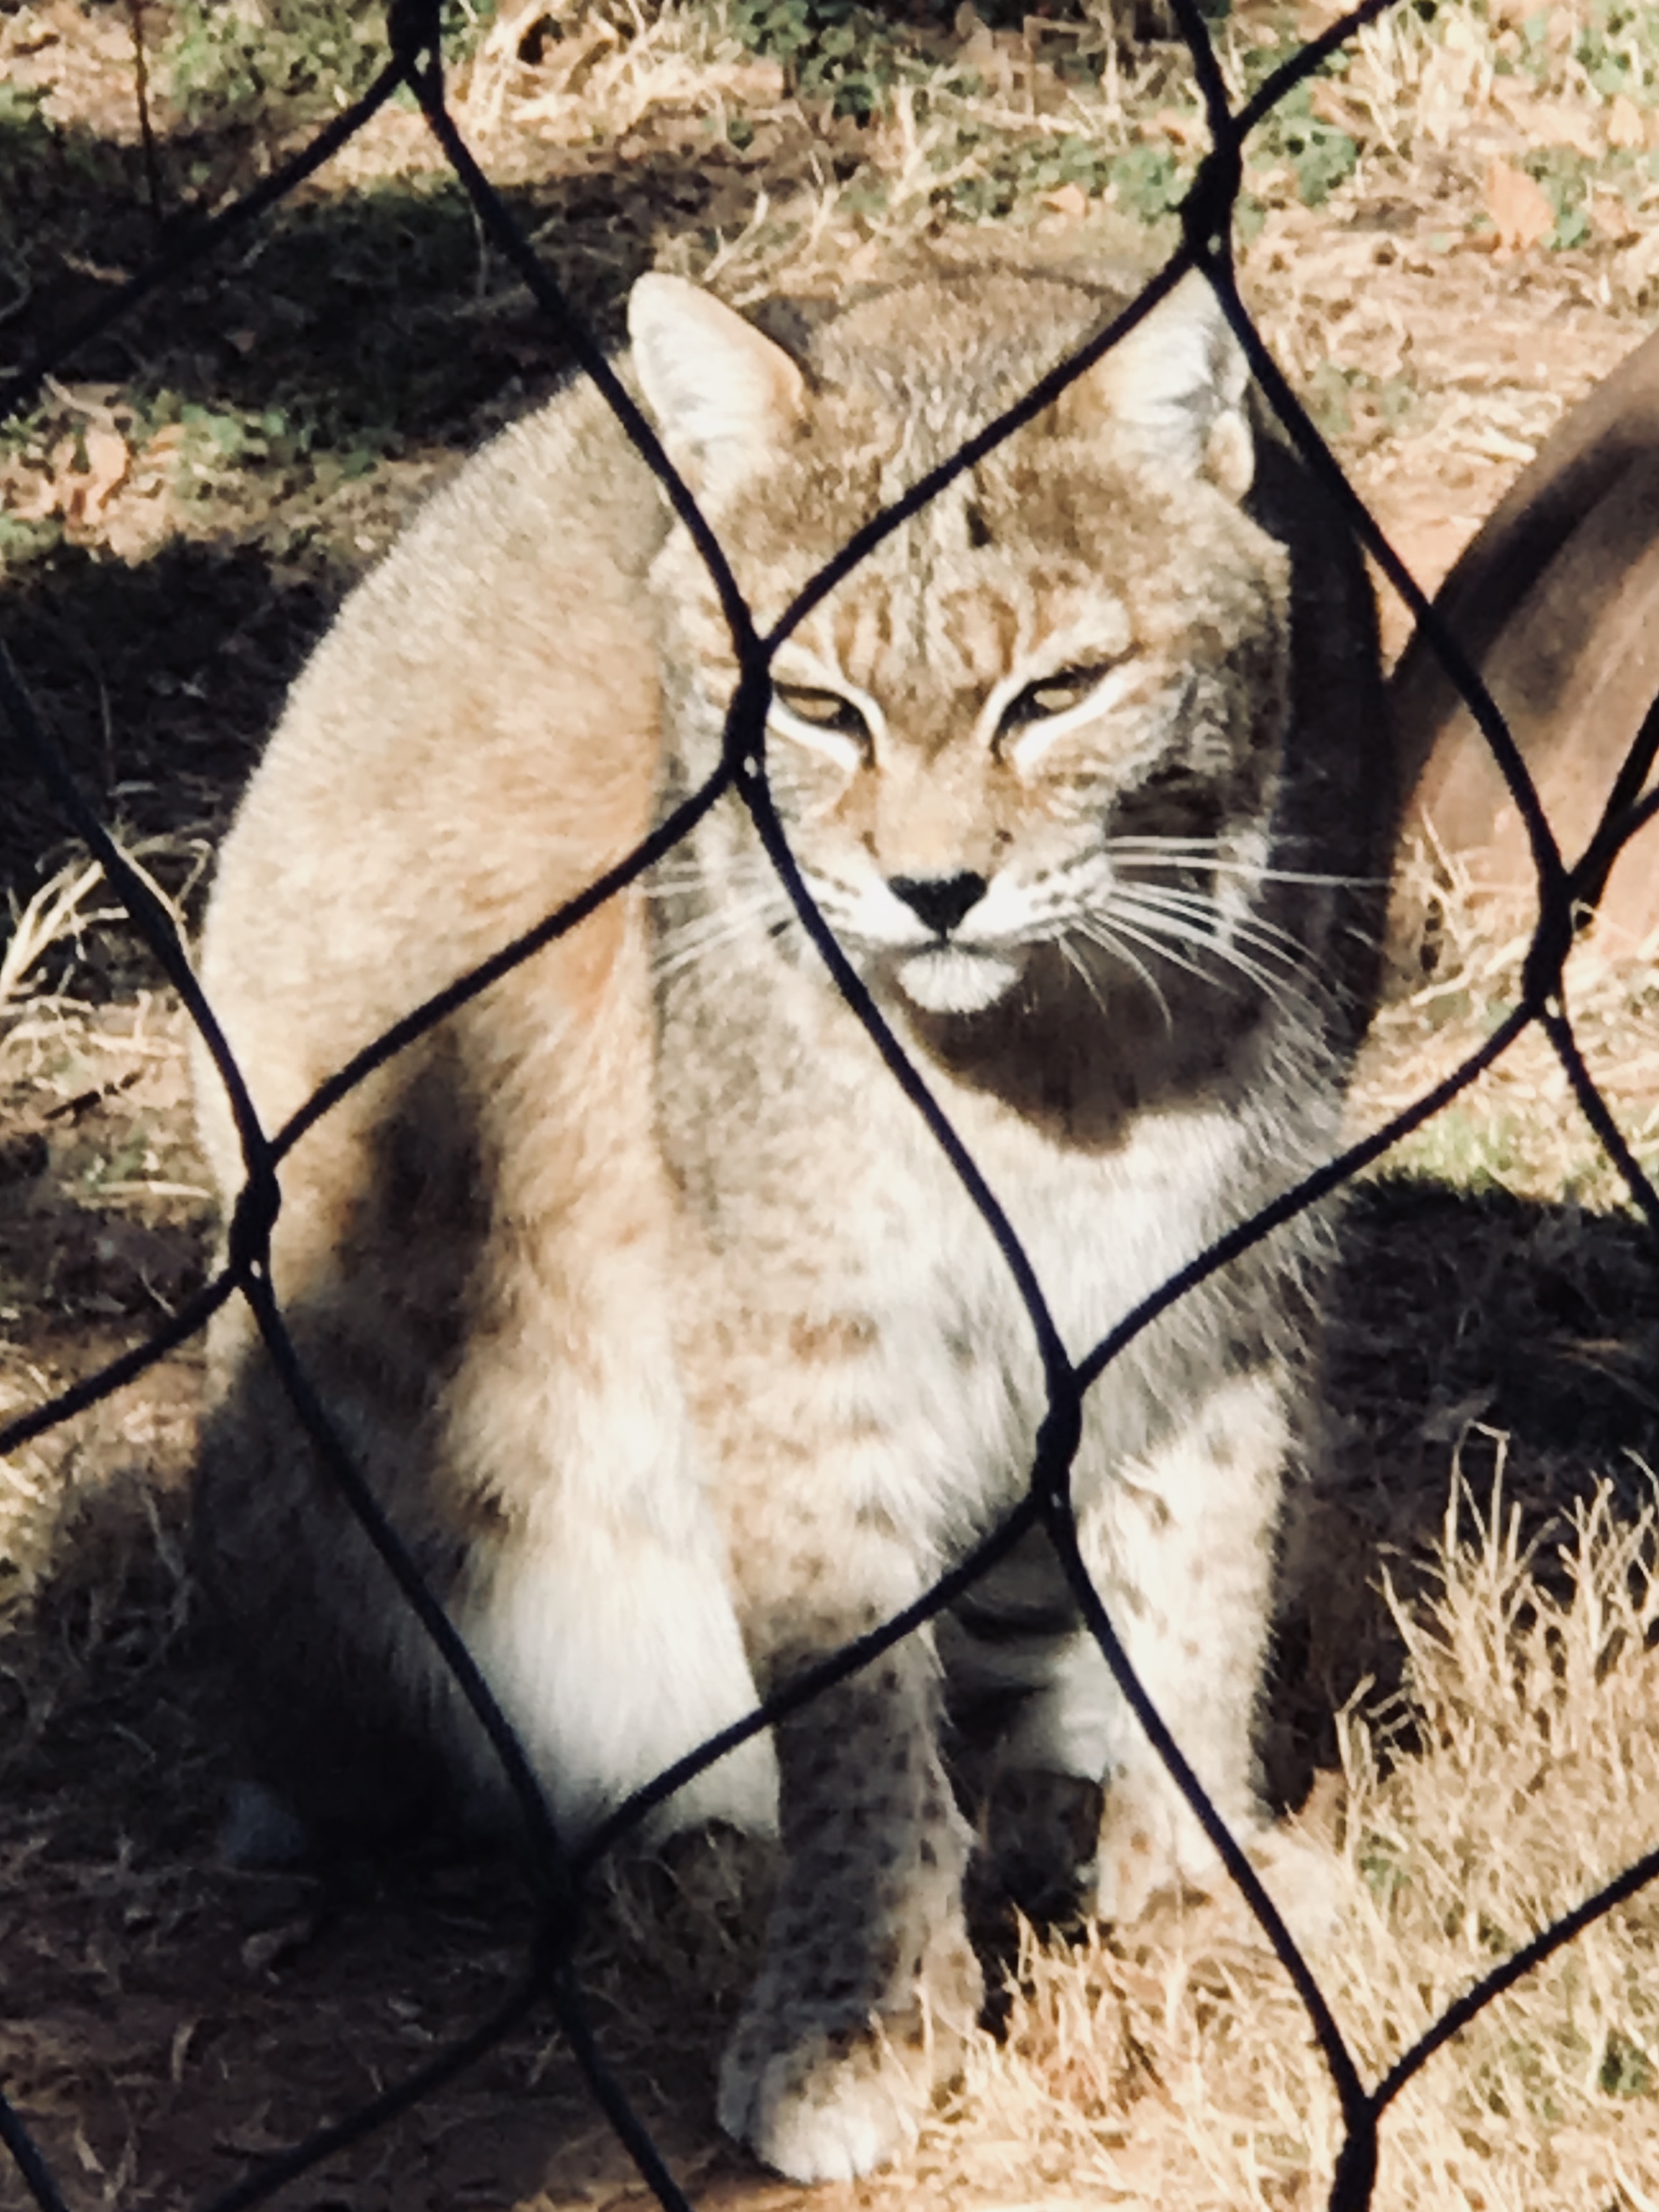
[1566, 890]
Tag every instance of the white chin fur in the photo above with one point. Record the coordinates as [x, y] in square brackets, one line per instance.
[946, 981]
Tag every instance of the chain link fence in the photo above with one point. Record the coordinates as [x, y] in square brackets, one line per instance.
[1566, 892]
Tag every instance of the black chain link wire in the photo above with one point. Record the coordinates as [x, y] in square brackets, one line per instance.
[1567, 897]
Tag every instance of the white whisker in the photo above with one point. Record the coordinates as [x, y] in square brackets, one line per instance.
[1163, 932]
[1203, 853]
[1268, 938]
[1162, 926]
[706, 933]
[1124, 926]
[1183, 930]
[1111, 940]
[1079, 966]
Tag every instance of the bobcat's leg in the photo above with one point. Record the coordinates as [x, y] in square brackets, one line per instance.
[1178, 1544]
[1181, 1546]
[869, 1984]
[597, 1597]
[611, 1643]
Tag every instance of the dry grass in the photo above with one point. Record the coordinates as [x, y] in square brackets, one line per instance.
[1422, 108]
[102, 1218]
[52, 924]
[1516, 1771]
[608, 68]
[1519, 1127]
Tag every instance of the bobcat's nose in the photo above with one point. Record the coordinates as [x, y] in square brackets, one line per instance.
[941, 900]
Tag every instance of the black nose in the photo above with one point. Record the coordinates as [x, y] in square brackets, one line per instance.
[941, 900]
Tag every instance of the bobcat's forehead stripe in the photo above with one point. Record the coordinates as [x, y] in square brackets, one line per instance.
[859, 631]
[977, 633]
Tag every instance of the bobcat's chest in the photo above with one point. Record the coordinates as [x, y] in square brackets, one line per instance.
[839, 1281]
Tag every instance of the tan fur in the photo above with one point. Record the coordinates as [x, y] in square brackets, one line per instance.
[646, 1301]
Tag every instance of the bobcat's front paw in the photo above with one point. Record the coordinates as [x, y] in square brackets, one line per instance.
[1304, 1880]
[835, 2106]
[826, 2088]
[1153, 1849]
[1150, 1846]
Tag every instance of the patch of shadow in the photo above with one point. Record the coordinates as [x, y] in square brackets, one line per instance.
[158, 680]
[1471, 1332]
[365, 319]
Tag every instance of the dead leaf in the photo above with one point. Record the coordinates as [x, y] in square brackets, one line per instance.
[1626, 126]
[996, 55]
[758, 84]
[84, 474]
[1520, 209]
[137, 524]
[28, 495]
[1555, 124]
[164, 448]
[1330, 107]
[255, 2138]
[1612, 219]
[1639, 263]
[1318, 16]
[1547, 122]
[1185, 129]
[1069, 200]
[33, 38]
[108, 459]
[271, 1947]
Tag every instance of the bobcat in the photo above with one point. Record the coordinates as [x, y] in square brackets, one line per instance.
[647, 1300]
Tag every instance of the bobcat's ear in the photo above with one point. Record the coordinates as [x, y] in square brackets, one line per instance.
[722, 394]
[1177, 385]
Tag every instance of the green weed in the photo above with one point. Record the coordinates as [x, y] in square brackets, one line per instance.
[1564, 176]
[1149, 181]
[1009, 173]
[1342, 400]
[1319, 155]
[836, 51]
[290, 59]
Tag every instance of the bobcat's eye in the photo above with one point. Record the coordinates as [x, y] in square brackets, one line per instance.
[823, 710]
[1053, 695]
[824, 722]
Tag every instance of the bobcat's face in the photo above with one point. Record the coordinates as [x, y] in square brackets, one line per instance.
[1035, 739]
[1041, 720]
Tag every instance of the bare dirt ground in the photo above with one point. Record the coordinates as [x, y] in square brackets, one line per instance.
[177, 523]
